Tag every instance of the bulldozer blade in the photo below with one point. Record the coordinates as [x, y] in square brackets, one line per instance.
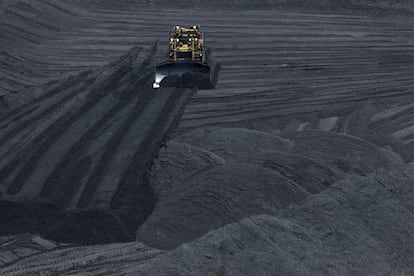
[183, 74]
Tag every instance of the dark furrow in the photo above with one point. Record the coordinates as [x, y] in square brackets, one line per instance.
[59, 186]
[113, 143]
[34, 150]
[20, 116]
[226, 119]
[66, 84]
[278, 103]
[134, 183]
[37, 117]
[111, 148]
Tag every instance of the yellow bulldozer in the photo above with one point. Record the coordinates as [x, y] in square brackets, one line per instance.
[187, 64]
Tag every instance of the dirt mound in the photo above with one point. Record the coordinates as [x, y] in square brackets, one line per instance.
[361, 226]
[215, 197]
[309, 174]
[200, 196]
[347, 153]
[211, 195]
[88, 143]
[178, 161]
[234, 144]
[89, 140]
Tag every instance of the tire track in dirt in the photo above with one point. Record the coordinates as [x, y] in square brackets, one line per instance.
[34, 150]
[64, 157]
[59, 186]
[280, 70]
[137, 171]
[346, 41]
[41, 112]
[42, 142]
[112, 146]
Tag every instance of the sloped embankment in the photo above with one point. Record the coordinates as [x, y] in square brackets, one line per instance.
[256, 173]
[358, 226]
[85, 147]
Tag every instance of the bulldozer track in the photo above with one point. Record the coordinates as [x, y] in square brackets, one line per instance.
[113, 144]
[42, 142]
[59, 147]
[137, 170]
[69, 162]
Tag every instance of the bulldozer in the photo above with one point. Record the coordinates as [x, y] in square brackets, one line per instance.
[187, 64]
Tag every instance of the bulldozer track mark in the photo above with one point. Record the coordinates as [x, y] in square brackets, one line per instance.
[274, 65]
[269, 111]
[59, 179]
[134, 177]
[35, 118]
[16, 113]
[36, 148]
[42, 142]
[111, 148]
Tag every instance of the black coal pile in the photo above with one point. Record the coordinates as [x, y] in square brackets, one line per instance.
[75, 159]
[234, 144]
[178, 161]
[213, 198]
[296, 163]
[257, 173]
[358, 226]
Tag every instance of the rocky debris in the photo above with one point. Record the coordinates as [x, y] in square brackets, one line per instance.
[345, 152]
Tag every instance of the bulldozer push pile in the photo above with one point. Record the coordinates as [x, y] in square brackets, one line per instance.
[189, 64]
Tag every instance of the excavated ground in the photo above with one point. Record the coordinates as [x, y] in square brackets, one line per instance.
[297, 163]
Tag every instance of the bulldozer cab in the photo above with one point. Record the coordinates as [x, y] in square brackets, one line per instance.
[186, 44]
